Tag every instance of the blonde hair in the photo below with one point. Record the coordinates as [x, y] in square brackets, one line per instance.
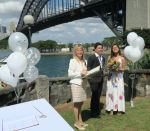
[77, 46]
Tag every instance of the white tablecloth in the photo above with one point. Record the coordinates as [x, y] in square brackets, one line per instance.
[26, 117]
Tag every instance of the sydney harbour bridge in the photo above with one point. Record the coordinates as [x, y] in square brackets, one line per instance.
[48, 13]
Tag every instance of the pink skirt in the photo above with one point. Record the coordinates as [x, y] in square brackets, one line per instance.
[78, 93]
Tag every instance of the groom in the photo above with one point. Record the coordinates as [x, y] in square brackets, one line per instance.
[96, 80]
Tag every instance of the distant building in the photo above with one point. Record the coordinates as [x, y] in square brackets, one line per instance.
[12, 27]
[3, 32]
[65, 50]
[3, 29]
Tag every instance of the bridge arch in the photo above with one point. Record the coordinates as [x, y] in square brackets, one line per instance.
[48, 13]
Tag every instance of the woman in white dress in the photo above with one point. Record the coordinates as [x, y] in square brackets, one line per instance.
[77, 70]
[115, 99]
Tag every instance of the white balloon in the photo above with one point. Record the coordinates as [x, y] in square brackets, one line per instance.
[33, 56]
[127, 51]
[135, 54]
[18, 42]
[31, 73]
[131, 37]
[7, 77]
[139, 42]
[17, 63]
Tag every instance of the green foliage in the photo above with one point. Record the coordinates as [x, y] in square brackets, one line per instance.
[70, 46]
[144, 63]
[109, 41]
[48, 44]
[3, 44]
[62, 46]
[86, 46]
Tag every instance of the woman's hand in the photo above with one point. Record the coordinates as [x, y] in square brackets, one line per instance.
[4, 85]
[84, 73]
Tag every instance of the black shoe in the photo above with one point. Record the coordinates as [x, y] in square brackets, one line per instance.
[95, 115]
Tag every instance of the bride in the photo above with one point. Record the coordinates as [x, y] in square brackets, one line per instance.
[115, 99]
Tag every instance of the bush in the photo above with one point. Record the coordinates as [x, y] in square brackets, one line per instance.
[144, 63]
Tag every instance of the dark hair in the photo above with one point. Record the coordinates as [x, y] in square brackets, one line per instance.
[112, 53]
[97, 44]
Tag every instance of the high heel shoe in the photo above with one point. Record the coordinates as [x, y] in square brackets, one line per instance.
[79, 127]
[84, 124]
[111, 113]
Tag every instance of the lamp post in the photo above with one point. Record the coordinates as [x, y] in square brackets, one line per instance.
[29, 20]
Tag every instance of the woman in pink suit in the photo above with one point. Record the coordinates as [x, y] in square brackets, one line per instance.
[77, 70]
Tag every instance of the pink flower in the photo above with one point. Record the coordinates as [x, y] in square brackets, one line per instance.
[116, 106]
[120, 97]
[111, 96]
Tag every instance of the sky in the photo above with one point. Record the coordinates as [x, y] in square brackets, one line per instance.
[87, 30]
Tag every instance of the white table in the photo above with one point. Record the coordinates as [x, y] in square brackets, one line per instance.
[26, 117]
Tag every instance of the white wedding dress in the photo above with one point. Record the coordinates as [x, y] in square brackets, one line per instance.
[115, 99]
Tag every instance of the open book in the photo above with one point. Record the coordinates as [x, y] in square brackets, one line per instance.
[93, 71]
[19, 123]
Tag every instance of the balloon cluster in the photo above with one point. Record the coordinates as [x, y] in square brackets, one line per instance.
[21, 61]
[135, 50]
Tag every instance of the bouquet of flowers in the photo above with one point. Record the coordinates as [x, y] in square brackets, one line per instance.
[113, 65]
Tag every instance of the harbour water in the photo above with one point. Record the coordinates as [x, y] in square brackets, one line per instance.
[54, 65]
[50, 65]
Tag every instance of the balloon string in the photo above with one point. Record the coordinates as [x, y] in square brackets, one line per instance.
[1, 61]
[17, 94]
[4, 58]
[132, 77]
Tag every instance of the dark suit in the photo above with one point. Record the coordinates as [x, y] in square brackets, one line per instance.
[96, 83]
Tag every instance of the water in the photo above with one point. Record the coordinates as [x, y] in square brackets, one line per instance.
[50, 65]
[4, 54]
[54, 65]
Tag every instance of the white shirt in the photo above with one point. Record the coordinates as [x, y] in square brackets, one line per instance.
[74, 71]
[100, 58]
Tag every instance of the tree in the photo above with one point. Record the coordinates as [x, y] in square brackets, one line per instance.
[86, 46]
[46, 45]
[109, 41]
[70, 46]
[3, 44]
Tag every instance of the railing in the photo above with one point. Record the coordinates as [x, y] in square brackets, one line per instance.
[55, 7]
[57, 90]
[3, 35]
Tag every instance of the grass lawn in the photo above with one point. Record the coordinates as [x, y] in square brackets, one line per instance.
[135, 119]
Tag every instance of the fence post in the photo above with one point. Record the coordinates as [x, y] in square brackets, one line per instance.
[42, 87]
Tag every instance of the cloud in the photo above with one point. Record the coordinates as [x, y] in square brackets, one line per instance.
[80, 30]
[10, 6]
[84, 30]
[93, 24]
[94, 30]
[91, 29]
[57, 28]
[10, 10]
